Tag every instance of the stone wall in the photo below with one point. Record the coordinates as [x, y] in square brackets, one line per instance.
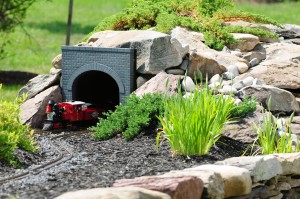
[271, 176]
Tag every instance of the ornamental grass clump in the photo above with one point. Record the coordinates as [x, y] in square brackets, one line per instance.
[193, 125]
[270, 140]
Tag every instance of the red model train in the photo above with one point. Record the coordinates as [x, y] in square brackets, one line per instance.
[74, 113]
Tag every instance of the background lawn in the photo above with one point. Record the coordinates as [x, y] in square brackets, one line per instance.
[287, 12]
[34, 45]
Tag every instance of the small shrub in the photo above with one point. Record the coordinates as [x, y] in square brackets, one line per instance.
[12, 133]
[193, 125]
[248, 106]
[215, 35]
[131, 118]
[207, 16]
[209, 7]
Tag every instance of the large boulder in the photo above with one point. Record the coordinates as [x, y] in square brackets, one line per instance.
[204, 59]
[246, 42]
[242, 129]
[281, 67]
[33, 110]
[155, 50]
[161, 83]
[207, 65]
[212, 62]
[192, 40]
[280, 100]
[39, 84]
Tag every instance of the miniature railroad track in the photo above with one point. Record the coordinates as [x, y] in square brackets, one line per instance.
[60, 150]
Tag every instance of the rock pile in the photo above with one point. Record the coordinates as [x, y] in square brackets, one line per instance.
[260, 67]
[263, 68]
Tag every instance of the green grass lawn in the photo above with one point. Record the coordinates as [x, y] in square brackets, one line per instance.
[287, 12]
[34, 45]
[9, 92]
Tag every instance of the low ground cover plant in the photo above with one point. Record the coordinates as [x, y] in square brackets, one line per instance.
[129, 119]
[193, 125]
[248, 106]
[13, 133]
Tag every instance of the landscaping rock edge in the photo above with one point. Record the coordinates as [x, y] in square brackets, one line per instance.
[269, 176]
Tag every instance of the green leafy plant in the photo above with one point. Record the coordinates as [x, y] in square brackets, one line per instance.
[270, 140]
[12, 133]
[215, 35]
[131, 118]
[207, 16]
[209, 7]
[193, 125]
[248, 105]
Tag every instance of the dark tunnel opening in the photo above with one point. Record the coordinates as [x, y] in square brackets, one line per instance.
[98, 88]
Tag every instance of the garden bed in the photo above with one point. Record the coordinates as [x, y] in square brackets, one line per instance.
[100, 163]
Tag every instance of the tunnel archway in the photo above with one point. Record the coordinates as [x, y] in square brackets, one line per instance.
[96, 87]
[78, 63]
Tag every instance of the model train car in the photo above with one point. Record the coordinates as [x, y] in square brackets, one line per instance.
[74, 113]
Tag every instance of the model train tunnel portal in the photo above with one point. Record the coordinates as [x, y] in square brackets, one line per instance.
[102, 76]
[96, 87]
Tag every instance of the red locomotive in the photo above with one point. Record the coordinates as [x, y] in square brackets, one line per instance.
[72, 113]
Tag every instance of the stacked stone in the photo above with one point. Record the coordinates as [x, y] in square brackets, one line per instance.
[271, 176]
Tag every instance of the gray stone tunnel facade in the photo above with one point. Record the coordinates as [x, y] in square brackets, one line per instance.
[104, 76]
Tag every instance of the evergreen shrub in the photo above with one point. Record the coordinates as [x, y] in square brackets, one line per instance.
[207, 16]
[129, 119]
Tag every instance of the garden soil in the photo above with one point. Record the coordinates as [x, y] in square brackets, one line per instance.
[100, 163]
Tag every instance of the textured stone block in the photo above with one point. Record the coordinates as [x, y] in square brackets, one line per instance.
[213, 182]
[290, 163]
[114, 193]
[237, 181]
[260, 167]
[178, 187]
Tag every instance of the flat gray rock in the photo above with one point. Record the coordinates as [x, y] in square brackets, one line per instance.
[39, 84]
